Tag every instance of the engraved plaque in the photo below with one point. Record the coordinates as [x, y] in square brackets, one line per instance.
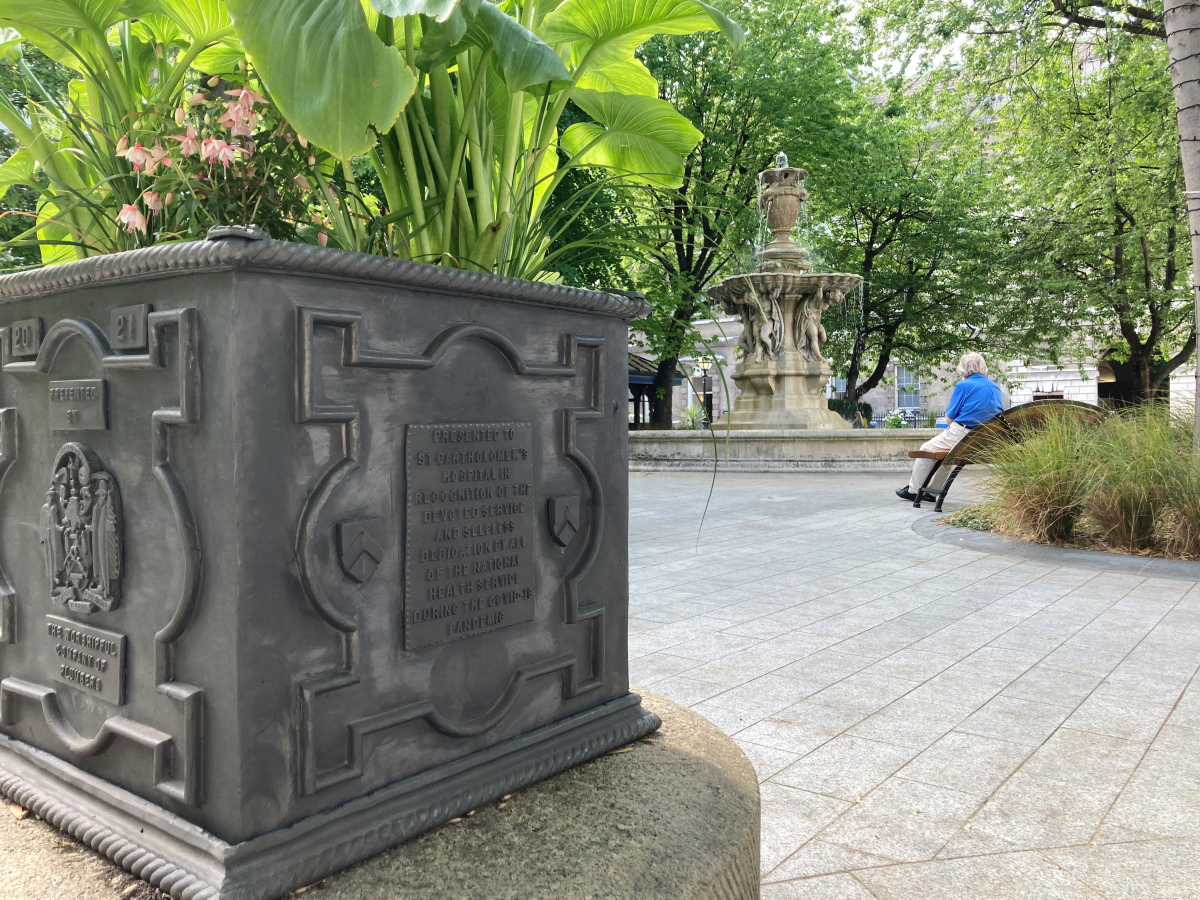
[127, 327]
[79, 405]
[87, 658]
[26, 337]
[470, 518]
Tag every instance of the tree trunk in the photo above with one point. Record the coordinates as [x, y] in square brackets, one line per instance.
[1142, 364]
[856, 357]
[1182, 21]
[662, 395]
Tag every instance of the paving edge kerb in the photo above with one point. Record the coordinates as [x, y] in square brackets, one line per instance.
[673, 816]
[1072, 557]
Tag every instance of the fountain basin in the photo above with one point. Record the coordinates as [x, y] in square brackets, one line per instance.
[782, 373]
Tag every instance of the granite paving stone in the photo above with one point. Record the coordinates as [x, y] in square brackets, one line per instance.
[820, 858]
[967, 762]
[1027, 875]
[926, 722]
[831, 887]
[846, 767]
[903, 820]
[1145, 870]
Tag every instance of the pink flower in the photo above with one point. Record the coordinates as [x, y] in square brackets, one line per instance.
[322, 239]
[197, 98]
[228, 154]
[137, 156]
[239, 120]
[217, 150]
[131, 218]
[153, 201]
[158, 156]
[246, 98]
[122, 145]
[180, 114]
[188, 145]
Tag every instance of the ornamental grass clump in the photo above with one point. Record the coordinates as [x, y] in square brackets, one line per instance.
[1130, 482]
[1040, 485]
[1133, 459]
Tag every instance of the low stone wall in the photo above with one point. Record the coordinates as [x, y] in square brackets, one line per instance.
[858, 450]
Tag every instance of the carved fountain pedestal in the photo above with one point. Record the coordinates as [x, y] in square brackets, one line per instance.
[782, 372]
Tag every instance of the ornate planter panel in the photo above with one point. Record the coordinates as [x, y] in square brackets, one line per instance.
[302, 552]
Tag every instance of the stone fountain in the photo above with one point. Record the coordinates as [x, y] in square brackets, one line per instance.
[781, 373]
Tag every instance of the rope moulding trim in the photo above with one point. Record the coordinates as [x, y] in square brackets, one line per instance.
[230, 248]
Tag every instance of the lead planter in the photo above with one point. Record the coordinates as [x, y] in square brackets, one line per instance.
[304, 552]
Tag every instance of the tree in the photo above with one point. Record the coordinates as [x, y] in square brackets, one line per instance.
[1089, 152]
[1003, 30]
[915, 217]
[785, 89]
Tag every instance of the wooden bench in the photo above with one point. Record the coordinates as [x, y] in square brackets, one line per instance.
[1010, 426]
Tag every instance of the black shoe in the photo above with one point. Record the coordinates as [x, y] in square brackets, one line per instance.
[905, 494]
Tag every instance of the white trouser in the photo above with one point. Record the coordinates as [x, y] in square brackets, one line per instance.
[944, 441]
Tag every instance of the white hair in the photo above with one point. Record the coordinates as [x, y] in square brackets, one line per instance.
[971, 364]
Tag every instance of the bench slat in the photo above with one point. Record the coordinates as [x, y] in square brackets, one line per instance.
[927, 454]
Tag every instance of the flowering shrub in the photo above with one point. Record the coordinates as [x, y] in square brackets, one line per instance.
[223, 155]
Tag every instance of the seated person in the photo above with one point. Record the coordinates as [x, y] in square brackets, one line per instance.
[975, 400]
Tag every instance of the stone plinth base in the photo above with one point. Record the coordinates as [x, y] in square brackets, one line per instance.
[814, 419]
[763, 450]
[675, 816]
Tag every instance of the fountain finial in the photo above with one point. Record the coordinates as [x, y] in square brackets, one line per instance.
[782, 194]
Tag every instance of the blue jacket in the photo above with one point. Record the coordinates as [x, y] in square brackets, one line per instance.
[975, 400]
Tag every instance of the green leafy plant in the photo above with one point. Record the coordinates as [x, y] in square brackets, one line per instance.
[1133, 458]
[136, 150]
[693, 417]
[1040, 485]
[455, 106]
[458, 104]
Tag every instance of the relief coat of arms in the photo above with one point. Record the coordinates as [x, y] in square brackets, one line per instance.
[81, 533]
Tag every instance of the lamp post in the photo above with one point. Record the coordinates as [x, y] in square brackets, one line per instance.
[705, 363]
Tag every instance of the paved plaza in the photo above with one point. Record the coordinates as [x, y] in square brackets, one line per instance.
[926, 721]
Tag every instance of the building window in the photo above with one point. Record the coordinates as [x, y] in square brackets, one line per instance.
[908, 389]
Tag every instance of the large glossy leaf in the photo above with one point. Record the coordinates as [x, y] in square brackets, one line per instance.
[643, 137]
[524, 58]
[626, 76]
[17, 169]
[202, 20]
[615, 28]
[220, 59]
[330, 75]
[57, 26]
[439, 10]
[10, 44]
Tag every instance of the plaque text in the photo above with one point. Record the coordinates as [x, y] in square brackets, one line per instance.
[87, 658]
[79, 405]
[470, 517]
[127, 329]
[26, 337]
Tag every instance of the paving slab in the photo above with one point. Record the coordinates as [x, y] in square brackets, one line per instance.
[968, 718]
